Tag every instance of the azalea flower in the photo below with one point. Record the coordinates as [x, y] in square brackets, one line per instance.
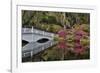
[79, 34]
[78, 49]
[62, 33]
[77, 39]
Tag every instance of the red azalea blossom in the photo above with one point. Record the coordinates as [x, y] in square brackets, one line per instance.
[77, 41]
[79, 34]
[78, 49]
[62, 33]
[77, 38]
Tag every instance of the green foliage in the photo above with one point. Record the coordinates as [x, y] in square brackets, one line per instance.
[56, 38]
[33, 18]
[86, 27]
[85, 42]
[55, 28]
[48, 19]
[51, 54]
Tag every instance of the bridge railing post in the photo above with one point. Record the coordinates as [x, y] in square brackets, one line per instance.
[32, 29]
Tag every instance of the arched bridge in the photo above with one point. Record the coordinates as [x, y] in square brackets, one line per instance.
[38, 41]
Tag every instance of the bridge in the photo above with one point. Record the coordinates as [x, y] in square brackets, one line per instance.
[33, 36]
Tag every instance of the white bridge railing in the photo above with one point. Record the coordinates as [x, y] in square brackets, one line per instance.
[36, 31]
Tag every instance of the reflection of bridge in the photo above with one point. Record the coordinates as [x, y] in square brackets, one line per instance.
[32, 36]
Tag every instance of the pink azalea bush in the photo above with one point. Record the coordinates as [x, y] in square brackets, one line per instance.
[72, 41]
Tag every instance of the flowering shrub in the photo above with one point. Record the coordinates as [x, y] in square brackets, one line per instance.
[75, 41]
[71, 44]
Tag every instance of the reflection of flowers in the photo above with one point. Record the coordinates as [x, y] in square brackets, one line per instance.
[78, 48]
[62, 45]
